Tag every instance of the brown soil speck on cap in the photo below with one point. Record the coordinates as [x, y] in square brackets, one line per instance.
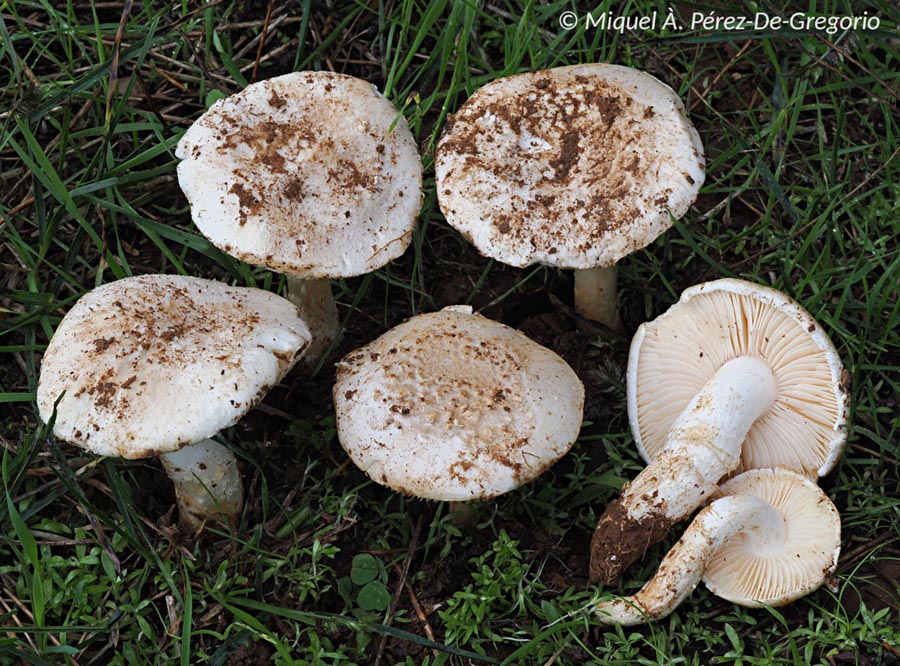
[276, 100]
[459, 468]
[620, 540]
[103, 393]
[567, 158]
[845, 379]
[247, 200]
[172, 332]
[101, 344]
[294, 191]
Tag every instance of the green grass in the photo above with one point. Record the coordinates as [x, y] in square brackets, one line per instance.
[802, 131]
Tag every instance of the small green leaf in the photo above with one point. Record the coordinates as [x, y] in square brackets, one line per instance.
[365, 568]
[733, 637]
[61, 649]
[26, 538]
[109, 568]
[374, 597]
[214, 96]
[224, 53]
[344, 588]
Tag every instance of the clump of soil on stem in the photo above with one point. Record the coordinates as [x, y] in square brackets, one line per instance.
[620, 540]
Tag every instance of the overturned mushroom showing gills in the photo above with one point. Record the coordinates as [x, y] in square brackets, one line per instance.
[158, 364]
[734, 376]
[453, 406]
[573, 167]
[312, 174]
[772, 538]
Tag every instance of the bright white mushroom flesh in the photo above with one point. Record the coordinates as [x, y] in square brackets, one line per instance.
[573, 167]
[453, 406]
[312, 174]
[772, 538]
[734, 376]
[158, 364]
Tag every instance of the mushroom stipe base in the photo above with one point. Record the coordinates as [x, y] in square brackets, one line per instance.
[620, 540]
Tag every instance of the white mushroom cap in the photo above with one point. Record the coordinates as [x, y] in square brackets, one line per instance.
[453, 406]
[676, 354]
[313, 174]
[151, 363]
[752, 570]
[574, 167]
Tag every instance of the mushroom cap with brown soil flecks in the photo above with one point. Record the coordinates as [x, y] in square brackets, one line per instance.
[752, 571]
[453, 406]
[772, 536]
[574, 167]
[673, 356]
[312, 174]
[148, 364]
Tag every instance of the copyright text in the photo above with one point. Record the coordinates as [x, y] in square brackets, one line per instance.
[709, 21]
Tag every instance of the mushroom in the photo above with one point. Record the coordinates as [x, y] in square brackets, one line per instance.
[771, 538]
[573, 167]
[158, 364]
[734, 376]
[312, 174]
[453, 406]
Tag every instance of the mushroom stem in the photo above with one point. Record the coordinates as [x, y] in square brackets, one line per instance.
[596, 296]
[316, 304]
[463, 513]
[207, 482]
[703, 445]
[683, 566]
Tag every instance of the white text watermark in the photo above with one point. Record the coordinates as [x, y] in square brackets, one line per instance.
[672, 22]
